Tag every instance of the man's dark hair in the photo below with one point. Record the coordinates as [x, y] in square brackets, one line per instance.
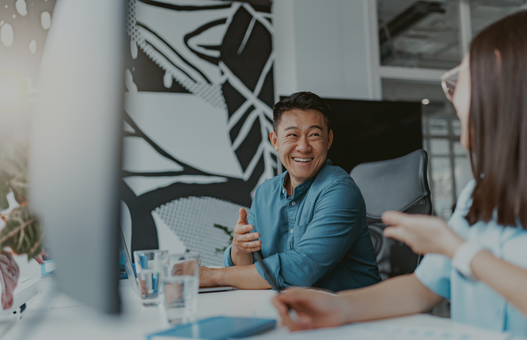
[301, 101]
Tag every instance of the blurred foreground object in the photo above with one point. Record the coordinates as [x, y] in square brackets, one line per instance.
[75, 151]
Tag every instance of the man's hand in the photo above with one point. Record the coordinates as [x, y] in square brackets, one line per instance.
[243, 238]
[244, 242]
[314, 309]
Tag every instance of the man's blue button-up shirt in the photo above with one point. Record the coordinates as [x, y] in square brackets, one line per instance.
[317, 237]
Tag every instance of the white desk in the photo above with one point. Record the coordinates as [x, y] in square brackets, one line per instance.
[68, 319]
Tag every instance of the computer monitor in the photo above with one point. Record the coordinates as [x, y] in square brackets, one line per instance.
[75, 156]
[370, 131]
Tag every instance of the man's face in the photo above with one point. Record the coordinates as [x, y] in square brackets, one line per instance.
[302, 141]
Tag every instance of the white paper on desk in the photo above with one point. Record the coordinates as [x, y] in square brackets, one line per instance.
[382, 332]
[65, 301]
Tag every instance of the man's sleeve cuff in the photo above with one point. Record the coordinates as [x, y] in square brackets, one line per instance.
[227, 261]
[273, 263]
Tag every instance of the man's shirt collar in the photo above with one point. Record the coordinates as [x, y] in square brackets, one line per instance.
[302, 187]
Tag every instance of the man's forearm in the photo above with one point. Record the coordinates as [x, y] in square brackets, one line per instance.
[244, 277]
[241, 258]
[399, 296]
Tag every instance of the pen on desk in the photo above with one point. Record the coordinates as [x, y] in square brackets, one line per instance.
[259, 257]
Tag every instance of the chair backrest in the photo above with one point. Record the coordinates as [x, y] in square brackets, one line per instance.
[399, 184]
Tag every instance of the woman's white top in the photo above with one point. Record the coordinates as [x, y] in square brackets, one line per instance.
[473, 302]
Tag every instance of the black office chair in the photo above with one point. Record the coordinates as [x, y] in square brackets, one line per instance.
[397, 184]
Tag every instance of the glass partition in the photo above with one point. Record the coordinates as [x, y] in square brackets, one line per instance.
[427, 35]
[485, 12]
[449, 166]
[423, 34]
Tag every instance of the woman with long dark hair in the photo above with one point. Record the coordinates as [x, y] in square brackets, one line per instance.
[478, 259]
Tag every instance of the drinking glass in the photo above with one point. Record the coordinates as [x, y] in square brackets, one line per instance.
[180, 284]
[148, 266]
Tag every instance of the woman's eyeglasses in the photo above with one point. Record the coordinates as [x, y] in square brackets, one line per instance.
[449, 80]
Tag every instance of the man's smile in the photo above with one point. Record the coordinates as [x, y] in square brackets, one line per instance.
[302, 160]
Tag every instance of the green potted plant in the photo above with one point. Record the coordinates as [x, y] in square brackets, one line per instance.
[21, 233]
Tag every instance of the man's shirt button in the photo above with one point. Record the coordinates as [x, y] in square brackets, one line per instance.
[293, 203]
[291, 231]
[283, 191]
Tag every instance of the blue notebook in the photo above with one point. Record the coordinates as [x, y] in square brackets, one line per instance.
[217, 328]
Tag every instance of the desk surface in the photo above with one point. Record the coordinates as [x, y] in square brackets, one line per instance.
[61, 317]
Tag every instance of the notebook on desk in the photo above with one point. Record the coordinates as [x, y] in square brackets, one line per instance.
[216, 328]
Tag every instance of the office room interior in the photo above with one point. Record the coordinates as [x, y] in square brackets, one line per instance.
[137, 125]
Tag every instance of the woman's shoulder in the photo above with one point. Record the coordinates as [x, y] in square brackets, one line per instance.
[464, 200]
[457, 221]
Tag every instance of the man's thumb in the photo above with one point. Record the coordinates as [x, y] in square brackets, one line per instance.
[243, 216]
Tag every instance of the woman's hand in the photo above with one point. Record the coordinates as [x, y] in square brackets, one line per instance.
[422, 233]
[314, 309]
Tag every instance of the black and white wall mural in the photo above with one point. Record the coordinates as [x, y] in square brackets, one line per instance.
[198, 113]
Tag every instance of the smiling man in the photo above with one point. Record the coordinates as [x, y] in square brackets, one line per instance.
[310, 221]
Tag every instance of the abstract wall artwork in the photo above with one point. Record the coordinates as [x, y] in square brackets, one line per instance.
[198, 113]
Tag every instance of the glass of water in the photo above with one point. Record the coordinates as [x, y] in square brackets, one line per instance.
[148, 266]
[180, 284]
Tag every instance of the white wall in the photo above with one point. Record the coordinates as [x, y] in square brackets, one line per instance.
[326, 47]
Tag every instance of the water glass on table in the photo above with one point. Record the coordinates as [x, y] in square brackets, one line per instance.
[148, 266]
[180, 284]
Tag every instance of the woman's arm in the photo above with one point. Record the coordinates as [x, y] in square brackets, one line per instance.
[399, 296]
[425, 234]
[505, 278]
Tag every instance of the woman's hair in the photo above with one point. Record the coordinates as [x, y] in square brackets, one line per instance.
[498, 121]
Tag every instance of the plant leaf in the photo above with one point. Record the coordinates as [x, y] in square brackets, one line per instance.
[4, 190]
[9, 273]
[22, 233]
[226, 231]
[13, 168]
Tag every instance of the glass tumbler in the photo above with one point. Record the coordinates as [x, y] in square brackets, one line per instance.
[148, 266]
[180, 284]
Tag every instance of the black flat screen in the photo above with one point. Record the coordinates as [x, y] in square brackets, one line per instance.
[368, 131]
